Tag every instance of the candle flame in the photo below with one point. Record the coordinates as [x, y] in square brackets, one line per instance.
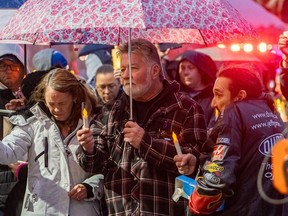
[174, 137]
[85, 113]
[216, 113]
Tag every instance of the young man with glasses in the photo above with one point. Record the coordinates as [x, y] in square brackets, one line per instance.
[107, 86]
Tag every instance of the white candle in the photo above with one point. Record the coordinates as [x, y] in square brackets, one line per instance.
[85, 118]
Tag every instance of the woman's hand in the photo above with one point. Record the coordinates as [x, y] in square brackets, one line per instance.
[86, 140]
[78, 192]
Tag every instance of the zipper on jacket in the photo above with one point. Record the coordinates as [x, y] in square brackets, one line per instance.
[45, 153]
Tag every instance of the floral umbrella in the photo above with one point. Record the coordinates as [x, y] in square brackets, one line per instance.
[108, 22]
[114, 22]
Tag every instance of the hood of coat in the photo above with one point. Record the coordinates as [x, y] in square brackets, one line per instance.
[203, 62]
[47, 59]
[14, 50]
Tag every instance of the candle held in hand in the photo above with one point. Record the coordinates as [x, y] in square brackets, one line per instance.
[85, 118]
[176, 143]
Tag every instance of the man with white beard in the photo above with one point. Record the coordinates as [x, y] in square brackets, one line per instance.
[136, 156]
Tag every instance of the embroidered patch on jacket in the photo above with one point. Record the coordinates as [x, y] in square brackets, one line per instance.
[213, 167]
[219, 152]
[212, 178]
[223, 140]
[267, 144]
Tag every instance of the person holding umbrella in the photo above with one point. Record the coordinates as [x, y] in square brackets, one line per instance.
[136, 155]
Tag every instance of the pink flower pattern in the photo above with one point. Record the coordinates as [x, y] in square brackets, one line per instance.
[107, 22]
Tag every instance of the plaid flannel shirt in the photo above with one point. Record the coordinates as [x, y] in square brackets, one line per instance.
[141, 182]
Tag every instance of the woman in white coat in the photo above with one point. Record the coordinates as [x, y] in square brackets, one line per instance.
[56, 184]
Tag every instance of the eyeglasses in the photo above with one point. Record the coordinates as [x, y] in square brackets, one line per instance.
[103, 87]
[13, 67]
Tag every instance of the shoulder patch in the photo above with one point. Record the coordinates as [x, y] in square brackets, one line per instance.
[219, 152]
[223, 140]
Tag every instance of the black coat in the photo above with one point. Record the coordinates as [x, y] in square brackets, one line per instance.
[7, 182]
[5, 96]
[236, 147]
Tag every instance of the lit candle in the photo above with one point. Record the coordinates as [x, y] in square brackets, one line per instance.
[85, 117]
[176, 143]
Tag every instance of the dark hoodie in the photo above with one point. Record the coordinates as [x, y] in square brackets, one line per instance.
[208, 70]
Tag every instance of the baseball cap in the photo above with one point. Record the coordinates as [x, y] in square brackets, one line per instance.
[10, 57]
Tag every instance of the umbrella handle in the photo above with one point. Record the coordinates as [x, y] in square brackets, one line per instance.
[130, 75]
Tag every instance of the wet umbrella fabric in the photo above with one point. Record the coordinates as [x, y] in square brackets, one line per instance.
[115, 22]
[108, 22]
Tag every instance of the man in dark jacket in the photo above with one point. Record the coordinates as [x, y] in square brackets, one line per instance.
[243, 135]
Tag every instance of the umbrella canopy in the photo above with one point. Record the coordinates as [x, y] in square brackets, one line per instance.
[7, 9]
[108, 22]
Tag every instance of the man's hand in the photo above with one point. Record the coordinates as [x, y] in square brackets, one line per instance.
[133, 134]
[79, 192]
[86, 140]
[185, 163]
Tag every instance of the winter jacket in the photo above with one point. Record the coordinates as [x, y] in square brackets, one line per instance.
[237, 145]
[204, 98]
[141, 182]
[53, 167]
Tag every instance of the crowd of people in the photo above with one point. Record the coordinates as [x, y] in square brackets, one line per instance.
[78, 147]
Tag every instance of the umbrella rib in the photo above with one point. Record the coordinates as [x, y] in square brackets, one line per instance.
[119, 36]
[37, 34]
[202, 37]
